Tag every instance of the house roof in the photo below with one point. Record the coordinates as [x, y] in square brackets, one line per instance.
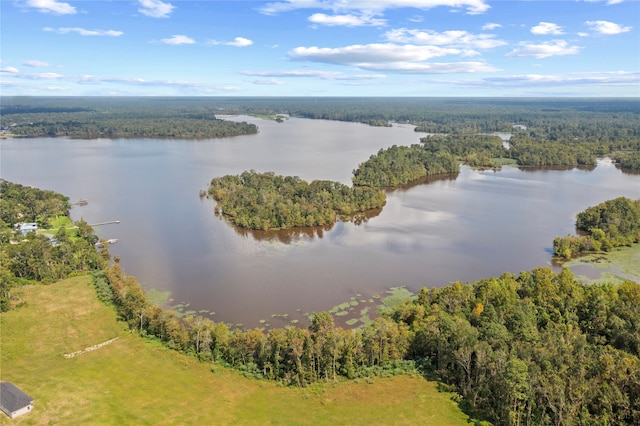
[11, 398]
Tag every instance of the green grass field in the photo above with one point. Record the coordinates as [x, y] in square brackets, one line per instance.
[133, 381]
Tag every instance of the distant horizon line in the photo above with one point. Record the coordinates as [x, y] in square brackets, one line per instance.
[321, 97]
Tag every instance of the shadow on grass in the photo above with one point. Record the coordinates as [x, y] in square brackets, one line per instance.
[427, 371]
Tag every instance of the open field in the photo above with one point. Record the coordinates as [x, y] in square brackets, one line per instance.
[135, 381]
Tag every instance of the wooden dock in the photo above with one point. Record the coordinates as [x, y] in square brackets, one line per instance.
[104, 223]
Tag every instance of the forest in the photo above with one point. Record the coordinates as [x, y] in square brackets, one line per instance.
[536, 348]
[269, 202]
[613, 223]
[116, 118]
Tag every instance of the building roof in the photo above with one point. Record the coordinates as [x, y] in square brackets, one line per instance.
[11, 398]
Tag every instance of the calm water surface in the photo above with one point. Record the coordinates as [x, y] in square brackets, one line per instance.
[475, 225]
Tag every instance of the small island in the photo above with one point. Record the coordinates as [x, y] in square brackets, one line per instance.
[267, 201]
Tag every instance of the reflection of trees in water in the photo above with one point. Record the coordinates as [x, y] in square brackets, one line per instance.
[556, 168]
[422, 181]
[290, 235]
[628, 171]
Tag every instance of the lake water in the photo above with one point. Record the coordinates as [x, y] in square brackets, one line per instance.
[474, 225]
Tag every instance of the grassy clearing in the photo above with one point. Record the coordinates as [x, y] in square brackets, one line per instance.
[57, 223]
[136, 381]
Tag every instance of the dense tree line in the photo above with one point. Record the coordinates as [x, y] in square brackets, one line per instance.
[400, 164]
[610, 224]
[528, 151]
[537, 348]
[117, 118]
[19, 203]
[36, 257]
[630, 161]
[291, 355]
[267, 201]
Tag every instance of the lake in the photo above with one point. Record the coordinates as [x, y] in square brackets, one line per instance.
[460, 228]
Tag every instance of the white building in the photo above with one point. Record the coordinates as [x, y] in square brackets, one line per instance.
[13, 401]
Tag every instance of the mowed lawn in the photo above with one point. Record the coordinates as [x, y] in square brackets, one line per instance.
[132, 381]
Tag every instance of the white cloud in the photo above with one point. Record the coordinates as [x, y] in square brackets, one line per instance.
[178, 39]
[36, 64]
[324, 75]
[84, 32]
[490, 26]
[431, 68]
[43, 76]
[267, 82]
[607, 28]
[51, 6]
[446, 38]
[609, 2]
[93, 80]
[346, 20]
[544, 28]
[240, 42]
[375, 6]
[9, 70]
[237, 42]
[410, 59]
[545, 50]
[617, 78]
[371, 53]
[155, 8]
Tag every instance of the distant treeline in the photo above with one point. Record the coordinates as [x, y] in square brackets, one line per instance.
[93, 118]
[546, 132]
[610, 224]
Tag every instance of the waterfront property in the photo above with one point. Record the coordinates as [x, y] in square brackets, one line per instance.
[25, 228]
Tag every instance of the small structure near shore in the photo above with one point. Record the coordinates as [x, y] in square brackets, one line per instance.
[25, 228]
[14, 402]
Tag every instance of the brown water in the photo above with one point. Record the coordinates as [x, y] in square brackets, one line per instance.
[474, 225]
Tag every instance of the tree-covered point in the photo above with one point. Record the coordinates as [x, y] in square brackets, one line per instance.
[267, 201]
[401, 164]
[19, 203]
[610, 224]
[629, 161]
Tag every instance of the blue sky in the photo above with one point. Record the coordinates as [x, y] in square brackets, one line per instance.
[320, 48]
